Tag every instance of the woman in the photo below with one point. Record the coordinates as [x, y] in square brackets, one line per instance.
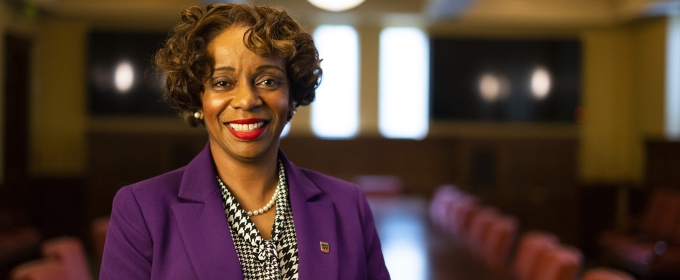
[241, 209]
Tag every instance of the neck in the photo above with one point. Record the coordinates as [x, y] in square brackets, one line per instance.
[247, 180]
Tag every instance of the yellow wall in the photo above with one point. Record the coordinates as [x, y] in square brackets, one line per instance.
[623, 92]
[3, 24]
[58, 142]
[607, 92]
[369, 38]
[649, 42]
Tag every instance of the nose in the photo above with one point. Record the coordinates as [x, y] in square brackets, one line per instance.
[245, 98]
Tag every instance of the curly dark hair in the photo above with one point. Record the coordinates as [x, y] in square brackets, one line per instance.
[271, 31]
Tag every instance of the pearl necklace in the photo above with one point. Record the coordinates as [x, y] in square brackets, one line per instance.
[266, 207]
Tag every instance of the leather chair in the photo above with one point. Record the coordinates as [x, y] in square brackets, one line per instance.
[559, 263]
[461, 214]
[441, 200]
[40, 270]
[69, 251]
[652, 248]
[99, 227]
[531, 246]
[499, 242]
[606, 274]
[479, 230]
[380, 185]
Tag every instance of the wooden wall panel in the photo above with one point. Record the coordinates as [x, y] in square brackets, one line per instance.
[663, 164]
[422, 165]
[119, 159]
[533, 179]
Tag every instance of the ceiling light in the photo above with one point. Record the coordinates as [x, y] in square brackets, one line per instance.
[540, 83]
[124, 76]
[336, 5]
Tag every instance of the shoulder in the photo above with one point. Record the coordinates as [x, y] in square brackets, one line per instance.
[139, 216]
[159, 185]
[144, 209]
[164, 187]
[195, 179]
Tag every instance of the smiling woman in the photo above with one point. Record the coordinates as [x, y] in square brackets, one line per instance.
[241, 71]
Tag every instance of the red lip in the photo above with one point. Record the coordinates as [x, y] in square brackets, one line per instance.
[247, 121]
[247, 135]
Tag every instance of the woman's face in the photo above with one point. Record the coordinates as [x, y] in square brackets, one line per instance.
[246, 101]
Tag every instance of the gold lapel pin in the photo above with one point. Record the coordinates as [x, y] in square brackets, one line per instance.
[325, 248]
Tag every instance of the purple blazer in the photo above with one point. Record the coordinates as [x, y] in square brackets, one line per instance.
[174, 227]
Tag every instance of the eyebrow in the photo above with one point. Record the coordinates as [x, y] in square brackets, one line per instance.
[227, 68]
[269, 66]
[259, 68]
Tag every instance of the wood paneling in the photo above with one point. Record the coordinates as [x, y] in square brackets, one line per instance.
[533, 179]
[422, 165]
[663, 164]
[119, 159]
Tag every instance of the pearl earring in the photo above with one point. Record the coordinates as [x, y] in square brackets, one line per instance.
[198, 115]
[291, 113]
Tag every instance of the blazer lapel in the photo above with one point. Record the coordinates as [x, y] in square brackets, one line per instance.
[315, 223]
[203, 224]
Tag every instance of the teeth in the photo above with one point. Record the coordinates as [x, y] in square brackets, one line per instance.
[246, 127]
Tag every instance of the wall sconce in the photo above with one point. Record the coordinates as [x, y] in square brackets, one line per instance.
[335, 5]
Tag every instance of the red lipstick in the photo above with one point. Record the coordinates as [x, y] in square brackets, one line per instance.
[247, 129]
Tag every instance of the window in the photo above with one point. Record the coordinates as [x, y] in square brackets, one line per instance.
[404, 87]
[335, 112]
[505, 80]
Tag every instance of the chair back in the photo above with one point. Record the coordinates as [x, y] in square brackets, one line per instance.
[559, 263]
[99, 227]
[69, 251]
[40, 270]
[461, 214]
[479, 229]
[380, 185]
[442, 198]
[661, 214]
[499, 242]
[606, 274]
[530, 247]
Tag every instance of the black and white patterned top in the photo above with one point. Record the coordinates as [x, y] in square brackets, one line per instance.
[264, 259]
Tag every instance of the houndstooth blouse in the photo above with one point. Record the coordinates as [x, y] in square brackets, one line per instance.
[264, 259]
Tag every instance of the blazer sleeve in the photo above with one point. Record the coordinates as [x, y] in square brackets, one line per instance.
[128, 248]
[375, 263]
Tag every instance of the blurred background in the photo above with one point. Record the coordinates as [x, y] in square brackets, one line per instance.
[561, 113]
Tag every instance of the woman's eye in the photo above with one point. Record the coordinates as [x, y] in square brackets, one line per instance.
[270, 82]
[220, 84]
